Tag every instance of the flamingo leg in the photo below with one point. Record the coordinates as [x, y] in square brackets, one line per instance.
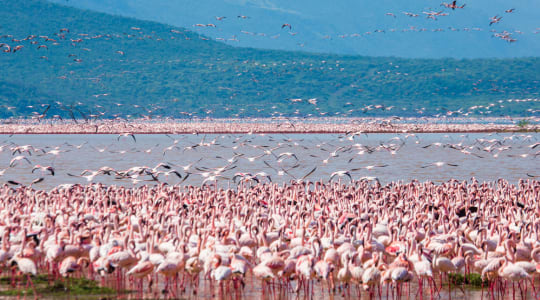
[13, 279]
[32, 285]
[434, 284]
[482, 287]
[449, 289]
[533, 288]
[420, 291]
[27, 284]
[521, 293]
[299, 285]
[166, 288]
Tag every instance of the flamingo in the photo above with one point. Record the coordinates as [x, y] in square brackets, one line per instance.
[305, 272]
[140, 270]
[264, 273]
[44, 169]
[494, 20]
[26, 267]
[442, 265]
[71, 264]
[221, 274]
[513, 273]
[16, 159]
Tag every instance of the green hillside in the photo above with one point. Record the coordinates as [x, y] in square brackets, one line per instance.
[114, 66]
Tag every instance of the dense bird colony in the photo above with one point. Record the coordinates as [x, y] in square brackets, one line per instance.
[357, 238]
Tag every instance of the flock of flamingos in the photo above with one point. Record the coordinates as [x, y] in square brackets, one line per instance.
[318, 239]
[359, 238]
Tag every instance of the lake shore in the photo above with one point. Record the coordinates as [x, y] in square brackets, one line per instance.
[288, 126]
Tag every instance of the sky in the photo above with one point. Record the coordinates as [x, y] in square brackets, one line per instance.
[414, 28]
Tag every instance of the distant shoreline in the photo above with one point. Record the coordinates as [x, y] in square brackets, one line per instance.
[271, 126]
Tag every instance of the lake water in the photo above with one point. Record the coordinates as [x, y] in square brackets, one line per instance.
[405, 157]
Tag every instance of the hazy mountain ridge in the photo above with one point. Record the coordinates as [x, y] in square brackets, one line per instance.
[379, 28]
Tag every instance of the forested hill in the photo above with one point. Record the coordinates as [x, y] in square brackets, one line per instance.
[92, 64]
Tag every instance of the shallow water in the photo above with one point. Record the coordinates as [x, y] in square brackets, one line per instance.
[253, 290]
[410, 161]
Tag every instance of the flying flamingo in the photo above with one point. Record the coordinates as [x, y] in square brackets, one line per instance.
[14, 161]
[494, 20]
